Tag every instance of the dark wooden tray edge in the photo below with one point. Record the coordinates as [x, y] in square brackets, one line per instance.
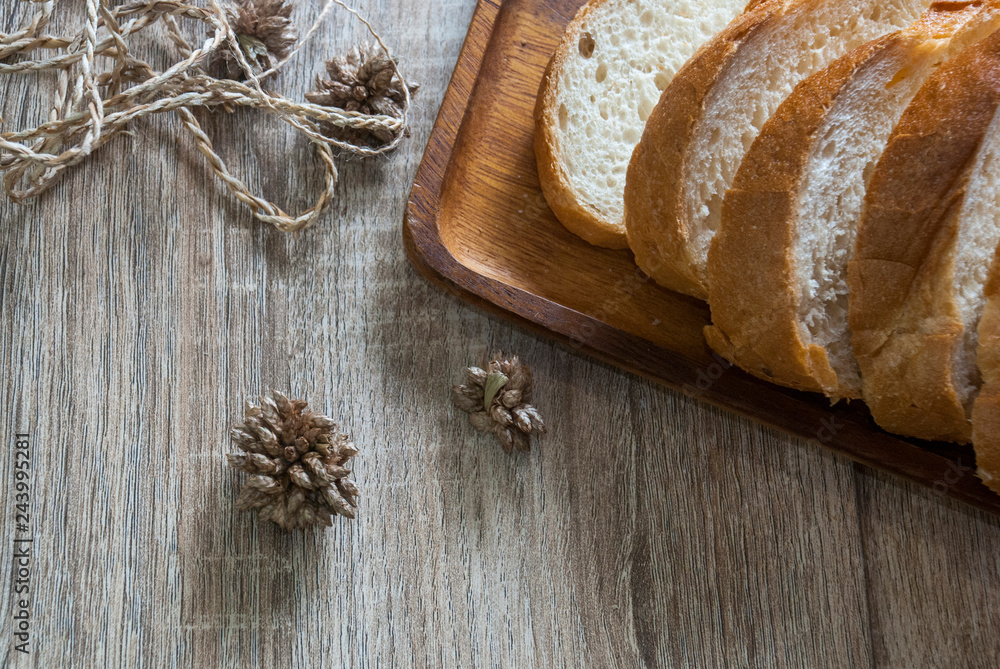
[946, 469]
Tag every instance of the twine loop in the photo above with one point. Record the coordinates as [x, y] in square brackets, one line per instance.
[90, 106]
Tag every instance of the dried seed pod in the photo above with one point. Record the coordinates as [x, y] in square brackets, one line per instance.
[264, 33]
[297, 459]
[498, 401]
[362, 80]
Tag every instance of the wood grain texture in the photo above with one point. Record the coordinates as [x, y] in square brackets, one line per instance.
[647, 529]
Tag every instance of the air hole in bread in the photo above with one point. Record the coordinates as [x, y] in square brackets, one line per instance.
[829, 150]
[563, 117]
[639, 39]
[604, 110]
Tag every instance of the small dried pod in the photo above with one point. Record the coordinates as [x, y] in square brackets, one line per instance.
[497, 398]
[296, 459]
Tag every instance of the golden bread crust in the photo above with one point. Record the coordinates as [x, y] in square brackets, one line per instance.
[986, 409]
[655, 220]
[753, 287]
[564, 200]
[903, 313]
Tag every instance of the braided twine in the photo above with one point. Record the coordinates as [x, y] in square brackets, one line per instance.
[91, 106]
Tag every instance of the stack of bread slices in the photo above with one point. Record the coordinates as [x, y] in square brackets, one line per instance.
[826, 173]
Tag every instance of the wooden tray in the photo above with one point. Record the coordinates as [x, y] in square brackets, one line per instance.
[477, 224]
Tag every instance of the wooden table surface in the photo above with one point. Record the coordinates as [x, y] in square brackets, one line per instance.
[141, 305]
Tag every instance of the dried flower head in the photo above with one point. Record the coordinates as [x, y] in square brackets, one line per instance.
[298, 460]
[498, 400]
[362, 80]
[264, 33]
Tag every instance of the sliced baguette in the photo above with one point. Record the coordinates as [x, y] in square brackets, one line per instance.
[777, 266]
[714, 108]
[925, 241]
[986, 409]
[603, 80]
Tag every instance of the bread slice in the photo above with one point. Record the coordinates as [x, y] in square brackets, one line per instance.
[715, 107]
[925, 241]
[603, 80]
[986, 409]
[777, 266]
